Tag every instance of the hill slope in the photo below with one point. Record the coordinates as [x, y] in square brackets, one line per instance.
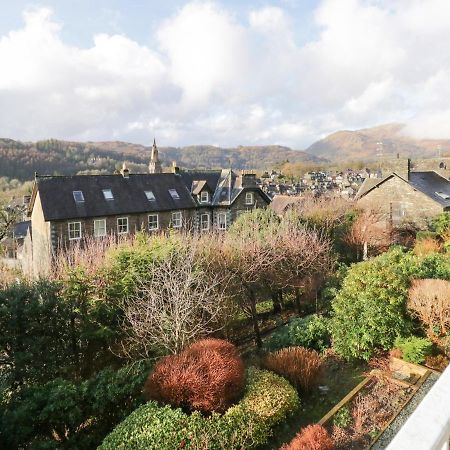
[21, 159]
[370, 143]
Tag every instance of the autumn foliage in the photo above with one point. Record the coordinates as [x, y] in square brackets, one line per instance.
[429, 301]
[313, 437]
[206, 376]
[302, 367]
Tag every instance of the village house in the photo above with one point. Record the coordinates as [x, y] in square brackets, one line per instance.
[68, 209]
[404, 196]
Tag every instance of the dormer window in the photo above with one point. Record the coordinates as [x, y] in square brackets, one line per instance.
[174, 194]
[107, 193]
[150, 196]
[204, 197]
[78, 196]
[249, 198]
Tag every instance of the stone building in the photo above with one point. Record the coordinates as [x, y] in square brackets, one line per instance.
[67, 209]
[404, 196]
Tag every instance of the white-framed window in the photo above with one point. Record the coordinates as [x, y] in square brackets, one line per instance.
[249, 198]
[204, 221]
[78, 196]
[174, 194]
[150, 196]
[99, 228]
[153, 222]
[222, 221]
[122, 225]
[177, 219]
[204, 197]
[107, 193]
[74, 230]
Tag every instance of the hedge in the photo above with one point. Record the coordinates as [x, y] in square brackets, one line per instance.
[268, 400]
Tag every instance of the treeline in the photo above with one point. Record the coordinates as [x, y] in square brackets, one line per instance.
[22, 159]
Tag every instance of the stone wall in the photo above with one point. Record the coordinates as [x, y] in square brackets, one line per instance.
[401, 203]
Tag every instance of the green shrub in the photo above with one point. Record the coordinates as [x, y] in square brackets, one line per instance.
[441, 223]
[414, 349]
[309, 332]
[370, 309]
[64, 414]
[343, 418]
[420, 235]
[267, 401]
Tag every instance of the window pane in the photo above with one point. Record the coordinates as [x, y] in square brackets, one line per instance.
[177, 219]
[78, 196]
[74, 230]
[153, 222]
[100, 228]
[204, 222]
[122, 225]
[107, 193]
[174, 194]
[150, 196]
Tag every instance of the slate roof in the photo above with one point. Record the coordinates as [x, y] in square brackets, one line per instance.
[281, 203]
[21, 229]
[224, 191]
[367, 185]
[211, 179]
[430, 183]
[56, 194]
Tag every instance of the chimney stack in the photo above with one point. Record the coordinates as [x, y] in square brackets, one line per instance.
[125, 171]
[175, 168]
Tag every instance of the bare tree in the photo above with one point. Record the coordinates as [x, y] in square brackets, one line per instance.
[369, 230]
[179, 300]
[429, 301]
[304, 257]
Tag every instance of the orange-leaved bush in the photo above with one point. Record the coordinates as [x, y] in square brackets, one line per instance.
[313, 437]
[302, 367]
[206, 376]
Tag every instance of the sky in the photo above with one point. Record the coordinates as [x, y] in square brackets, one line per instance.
[225, 73]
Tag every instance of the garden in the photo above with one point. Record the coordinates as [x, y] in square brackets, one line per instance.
[272, 336]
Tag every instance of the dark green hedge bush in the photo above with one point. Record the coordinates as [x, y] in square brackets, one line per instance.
[66, 415]
[268, 400]
[309, 332]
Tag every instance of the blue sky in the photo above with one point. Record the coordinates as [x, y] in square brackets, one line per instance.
[138, 18]
[222, 72]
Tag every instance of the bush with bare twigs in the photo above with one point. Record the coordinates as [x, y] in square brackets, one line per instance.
[313, 437]
[427, 246]
[302, 367]
[429, 301]
[206, 376]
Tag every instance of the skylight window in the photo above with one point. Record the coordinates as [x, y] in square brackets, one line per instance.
[174, 194]
[443, 195]
[150, 196]
[78, 196]
[107, 193]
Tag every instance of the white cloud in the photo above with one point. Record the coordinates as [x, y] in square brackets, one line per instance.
[217, 77]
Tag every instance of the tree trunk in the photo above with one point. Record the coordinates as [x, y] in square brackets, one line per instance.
[255, 323]
[365, 251]
[276, 301]
[297, 300]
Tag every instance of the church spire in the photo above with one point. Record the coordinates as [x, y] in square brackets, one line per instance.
[155, 164]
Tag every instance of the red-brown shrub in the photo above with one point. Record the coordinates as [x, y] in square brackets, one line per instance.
[426, 246]
[313, 437]
[438, 362]
[206, 376]
[302, 367]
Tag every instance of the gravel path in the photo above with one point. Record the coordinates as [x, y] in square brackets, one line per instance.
[391, 431]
